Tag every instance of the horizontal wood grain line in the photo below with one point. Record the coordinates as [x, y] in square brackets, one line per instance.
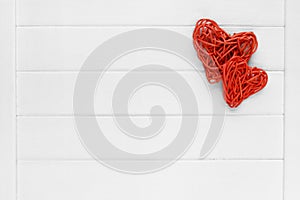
[209, 180]
[206, 160]
[144, 26]
[71, 160]
[120, 70]
[148, 115]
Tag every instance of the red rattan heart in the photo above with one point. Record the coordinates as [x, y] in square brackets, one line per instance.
[215, 47]
[241, 81]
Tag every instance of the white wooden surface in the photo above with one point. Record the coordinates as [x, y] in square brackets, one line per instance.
[292, 99]
[51, 93]
[7, 101]
[50, 51]
[66, 48]
[193, 180]
[55, 138]
[257, 150]
[156, 12]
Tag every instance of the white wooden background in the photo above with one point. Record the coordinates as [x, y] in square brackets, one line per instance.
[44, 44]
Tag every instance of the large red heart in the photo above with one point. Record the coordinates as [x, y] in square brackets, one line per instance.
[241, 81]
[215, 47]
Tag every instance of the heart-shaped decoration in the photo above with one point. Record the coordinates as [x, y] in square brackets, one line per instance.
[241, 81]
[215, 47]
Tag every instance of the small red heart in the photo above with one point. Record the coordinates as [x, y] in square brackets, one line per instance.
[215, 47]
[241, 81]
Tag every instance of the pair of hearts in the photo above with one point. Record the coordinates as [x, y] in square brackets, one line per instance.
[225, 57]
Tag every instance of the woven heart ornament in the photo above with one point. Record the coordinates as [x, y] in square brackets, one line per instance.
[215, 47]
[241, 81]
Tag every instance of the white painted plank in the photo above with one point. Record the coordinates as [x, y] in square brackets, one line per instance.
[142, 12]
[210, 180]
[243, 137]
[52, 94]
[65, 48]
[7, 101]
[254, 137]
[292, 99]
